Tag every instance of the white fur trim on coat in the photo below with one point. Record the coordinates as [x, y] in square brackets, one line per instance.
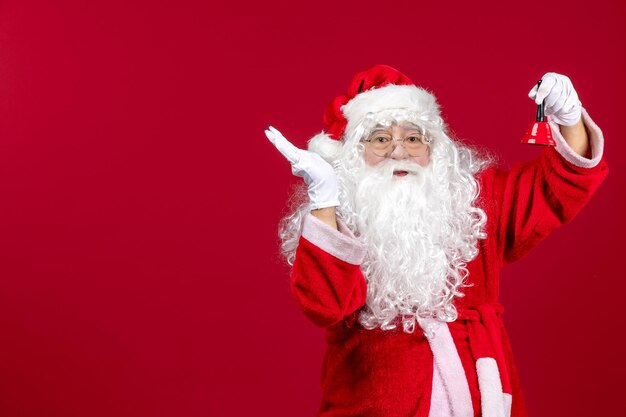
[439, 401]
[493, 401]
[340, 243]
[596, 142]
[449, 380]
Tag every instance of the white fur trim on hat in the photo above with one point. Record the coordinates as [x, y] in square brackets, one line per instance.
[408, 97]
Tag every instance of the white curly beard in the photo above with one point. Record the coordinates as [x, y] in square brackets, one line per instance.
[420, 230]
[401, 222]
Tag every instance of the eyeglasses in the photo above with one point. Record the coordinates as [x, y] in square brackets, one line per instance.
[383, 144]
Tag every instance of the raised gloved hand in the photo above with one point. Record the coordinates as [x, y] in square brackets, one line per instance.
[561, 100]
[318, 174]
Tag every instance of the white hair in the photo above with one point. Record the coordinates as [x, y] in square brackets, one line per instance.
[420, 230]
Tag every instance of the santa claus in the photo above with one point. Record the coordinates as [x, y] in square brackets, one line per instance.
[399, 240]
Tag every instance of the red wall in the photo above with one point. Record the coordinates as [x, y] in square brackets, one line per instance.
[139, 273]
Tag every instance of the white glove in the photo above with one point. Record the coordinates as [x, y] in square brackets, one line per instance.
[318, 174]
[561, 100]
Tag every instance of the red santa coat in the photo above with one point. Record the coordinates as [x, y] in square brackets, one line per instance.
[467, 368]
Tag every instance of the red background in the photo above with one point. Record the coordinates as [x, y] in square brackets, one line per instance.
[140, 199]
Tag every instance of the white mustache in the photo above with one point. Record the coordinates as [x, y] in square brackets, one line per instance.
[388, 167]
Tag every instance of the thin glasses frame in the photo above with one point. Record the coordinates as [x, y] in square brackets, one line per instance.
[383, 144]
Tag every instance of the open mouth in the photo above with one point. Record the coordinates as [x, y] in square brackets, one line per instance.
[399, 173]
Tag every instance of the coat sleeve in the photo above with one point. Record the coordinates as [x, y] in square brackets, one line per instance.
[326, 278]
[533, 199]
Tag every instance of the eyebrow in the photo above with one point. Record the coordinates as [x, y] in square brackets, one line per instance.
[407, 126]
[412, 126]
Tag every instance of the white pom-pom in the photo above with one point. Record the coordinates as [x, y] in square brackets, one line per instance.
[325, 146]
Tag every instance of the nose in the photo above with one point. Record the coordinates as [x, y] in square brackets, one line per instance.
[398, 153]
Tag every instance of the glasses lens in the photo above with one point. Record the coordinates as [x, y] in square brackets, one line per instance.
[415, 146]
[381, 144]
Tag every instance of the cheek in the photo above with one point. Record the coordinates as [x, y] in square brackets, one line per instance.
[421, 160]
[372, 159]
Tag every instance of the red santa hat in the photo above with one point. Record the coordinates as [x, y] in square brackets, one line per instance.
[371, 91]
